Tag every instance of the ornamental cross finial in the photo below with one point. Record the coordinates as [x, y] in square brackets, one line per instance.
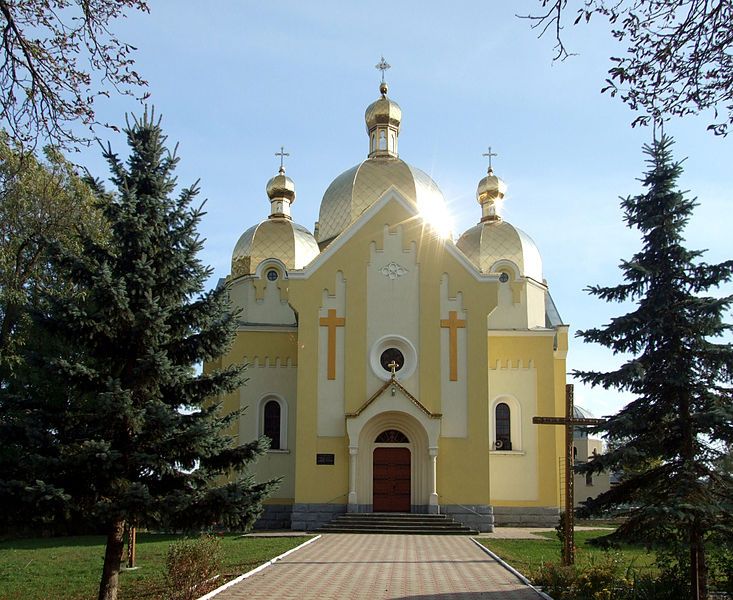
[282, 154]
[393, 367]
[490, 154]
[382, 65]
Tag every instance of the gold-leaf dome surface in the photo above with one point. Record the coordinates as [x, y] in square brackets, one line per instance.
[355, 190]
[383, 112]
[277, 238]
[281, 186]
[491, 241]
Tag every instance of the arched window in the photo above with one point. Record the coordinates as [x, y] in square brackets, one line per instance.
[503, 427]
[272, 421]
[391, 436]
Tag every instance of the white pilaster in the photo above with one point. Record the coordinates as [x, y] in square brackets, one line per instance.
[353, 455]
[432, 480]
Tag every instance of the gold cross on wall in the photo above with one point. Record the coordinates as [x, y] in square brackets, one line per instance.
[332, 322]
[453, 324]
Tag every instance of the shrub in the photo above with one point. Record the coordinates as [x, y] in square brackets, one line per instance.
[191, 567]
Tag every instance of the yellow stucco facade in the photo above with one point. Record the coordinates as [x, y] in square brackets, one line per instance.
[393, 368]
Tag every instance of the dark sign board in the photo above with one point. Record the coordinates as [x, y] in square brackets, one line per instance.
[325, 459]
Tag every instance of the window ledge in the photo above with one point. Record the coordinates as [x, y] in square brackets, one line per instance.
[279, 451]
[508, 452]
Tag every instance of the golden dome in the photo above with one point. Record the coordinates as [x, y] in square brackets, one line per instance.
[281, 186]
[383, 111]
[490, 188]
[493, 241]
[277, 237]
[355, 190]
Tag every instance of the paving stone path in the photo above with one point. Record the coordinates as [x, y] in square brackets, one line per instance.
[343, 566]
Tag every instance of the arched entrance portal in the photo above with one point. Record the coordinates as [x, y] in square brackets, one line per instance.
[391, 479]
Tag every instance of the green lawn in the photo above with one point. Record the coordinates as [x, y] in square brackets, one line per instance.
[69, 568]
[528, 555]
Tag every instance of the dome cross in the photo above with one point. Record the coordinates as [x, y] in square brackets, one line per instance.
[382, 65]
[282, 154]
[490, 154]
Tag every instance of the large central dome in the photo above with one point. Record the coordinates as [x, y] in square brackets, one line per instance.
[355, 190]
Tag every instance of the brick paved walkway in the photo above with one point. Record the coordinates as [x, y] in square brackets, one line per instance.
[345, 566]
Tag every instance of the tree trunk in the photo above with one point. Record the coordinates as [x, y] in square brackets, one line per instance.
[112, 559]
[698, 565]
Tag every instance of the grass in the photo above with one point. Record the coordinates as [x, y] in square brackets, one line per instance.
[527, 556]
[69, 568]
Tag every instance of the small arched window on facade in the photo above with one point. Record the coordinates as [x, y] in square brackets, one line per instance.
[503, 439]
[272, 419]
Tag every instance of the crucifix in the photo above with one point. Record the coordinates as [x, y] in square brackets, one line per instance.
[382, 65]
[282, 154]
[332, 322]
[393, 368]
[490, 154]
[570, 422]
[453, 324]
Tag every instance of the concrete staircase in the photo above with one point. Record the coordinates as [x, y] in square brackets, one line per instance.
[400, 523]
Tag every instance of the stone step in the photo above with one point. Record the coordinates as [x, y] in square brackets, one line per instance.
[419, 531]
[408, 523]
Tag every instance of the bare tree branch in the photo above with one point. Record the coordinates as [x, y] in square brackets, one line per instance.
[56, 58]
[678, 54]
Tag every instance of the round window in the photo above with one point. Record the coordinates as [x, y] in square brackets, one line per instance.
[272, 275]
[504, 277]
[393, 348]
[392, 357]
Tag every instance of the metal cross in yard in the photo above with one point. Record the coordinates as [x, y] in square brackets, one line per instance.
[569, 421]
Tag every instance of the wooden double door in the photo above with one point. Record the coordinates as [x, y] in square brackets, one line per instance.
[391, 472]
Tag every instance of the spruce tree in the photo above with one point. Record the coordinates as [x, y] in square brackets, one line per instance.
[667, 441]
[139, 438]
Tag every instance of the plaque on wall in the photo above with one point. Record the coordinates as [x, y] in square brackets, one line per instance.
[325, 459]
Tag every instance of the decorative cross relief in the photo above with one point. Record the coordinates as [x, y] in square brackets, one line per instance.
[393, 270]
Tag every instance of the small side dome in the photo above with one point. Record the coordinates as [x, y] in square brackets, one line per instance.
[277, 237]
[493, 239]
[490, 242]
[581, 413]
[290, 243]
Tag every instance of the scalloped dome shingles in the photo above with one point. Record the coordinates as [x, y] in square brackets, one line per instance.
[492, 241]
[355, 190]
[279, 238]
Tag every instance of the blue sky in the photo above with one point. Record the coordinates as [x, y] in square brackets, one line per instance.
[236, 80]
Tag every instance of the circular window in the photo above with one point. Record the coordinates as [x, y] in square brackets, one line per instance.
[393, 348]
[504, 277]
[272, 275]
[392, 356]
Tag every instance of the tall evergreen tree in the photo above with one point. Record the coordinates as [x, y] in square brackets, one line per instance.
[669, 439]
[138, 439]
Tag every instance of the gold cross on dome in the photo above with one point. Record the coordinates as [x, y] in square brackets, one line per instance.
[382, 65]
[490, 154]
[282, 154]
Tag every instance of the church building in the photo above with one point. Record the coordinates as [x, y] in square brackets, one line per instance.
[392, 368]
